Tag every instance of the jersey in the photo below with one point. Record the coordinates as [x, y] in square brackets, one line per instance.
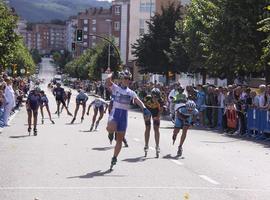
[33, 100]
[153, 106]
[59, 93]
[98, 103]
[184, 117]
[81, 97]
[44, 100]
[122, 97]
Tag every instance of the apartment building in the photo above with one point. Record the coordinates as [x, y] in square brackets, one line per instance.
[71, 26]
[140, 12]
[93, 22]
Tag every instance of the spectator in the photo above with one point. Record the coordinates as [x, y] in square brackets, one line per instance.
[9, 100]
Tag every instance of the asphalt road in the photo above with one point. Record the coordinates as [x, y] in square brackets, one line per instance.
[68, 162]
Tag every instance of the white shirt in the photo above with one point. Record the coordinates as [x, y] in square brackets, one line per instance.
[122, 97]
[173, 93]
[9, 95]
[261, 100]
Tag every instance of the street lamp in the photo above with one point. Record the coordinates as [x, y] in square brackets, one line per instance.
[109, 48]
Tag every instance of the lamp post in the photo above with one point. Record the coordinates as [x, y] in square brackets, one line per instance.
[109, 48]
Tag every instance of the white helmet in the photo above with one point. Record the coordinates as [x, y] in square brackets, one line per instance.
[125, 74]
[190, 105]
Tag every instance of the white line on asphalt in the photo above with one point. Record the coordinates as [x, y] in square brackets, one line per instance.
[210, 180]
[136, 139]
[177, 162]
[131, 187]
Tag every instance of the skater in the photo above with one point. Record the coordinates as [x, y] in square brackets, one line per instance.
[185, 117]
[154, 104]
[59, 94]
[44, 102]
[81, 99]
[32, 105]
[98, 104]
[118, 117]
[111, 136]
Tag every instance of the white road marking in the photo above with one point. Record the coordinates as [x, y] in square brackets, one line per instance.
[136, 139]
[177, 162]
[135, 188]
[210, 180]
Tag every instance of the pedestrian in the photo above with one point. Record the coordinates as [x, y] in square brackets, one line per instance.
[9, 100]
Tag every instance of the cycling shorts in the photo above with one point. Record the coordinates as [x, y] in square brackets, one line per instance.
[120, 117]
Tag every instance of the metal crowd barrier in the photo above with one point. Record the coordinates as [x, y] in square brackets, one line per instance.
[258, 120]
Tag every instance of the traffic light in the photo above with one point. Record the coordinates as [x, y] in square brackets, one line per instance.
[79, 35]
[73, 46]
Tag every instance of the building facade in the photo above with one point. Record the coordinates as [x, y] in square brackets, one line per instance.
[141, 11]
[71, 26]
[93, 22]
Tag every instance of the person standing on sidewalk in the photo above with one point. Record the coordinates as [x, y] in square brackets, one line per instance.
[9, 100]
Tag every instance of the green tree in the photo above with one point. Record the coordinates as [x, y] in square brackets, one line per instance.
[199, 22]
[265, 58]
[36, 56]
[234, 41]
[8, 37]
[152, 48]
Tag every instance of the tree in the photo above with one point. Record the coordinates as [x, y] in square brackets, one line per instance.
[36, 56]
[8, 37]
[152, 48]
[265, 58]
[99, 61]
[199, 22]
[234, 41]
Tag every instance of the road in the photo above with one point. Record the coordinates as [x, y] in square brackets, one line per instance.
[68, 162]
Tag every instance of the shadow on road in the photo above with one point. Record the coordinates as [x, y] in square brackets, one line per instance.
[169, 156]
[102, 148]
[134, 160]
[19, 136]
[96, 174]
[167, 127]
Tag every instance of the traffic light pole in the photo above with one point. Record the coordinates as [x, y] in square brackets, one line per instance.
[112, 44]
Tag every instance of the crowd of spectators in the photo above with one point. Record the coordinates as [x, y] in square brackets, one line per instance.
[12, 93]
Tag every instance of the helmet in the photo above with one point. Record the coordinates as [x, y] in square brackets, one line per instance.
[155, 92]
[125, 74]
[190, 105]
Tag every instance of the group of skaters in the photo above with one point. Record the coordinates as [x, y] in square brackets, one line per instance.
[188, 107]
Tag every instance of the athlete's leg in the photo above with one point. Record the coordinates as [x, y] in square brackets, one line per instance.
[76, 110]
[156, 123]
[119, 139]
[41, 111]
[147, 132]
[49, 112]
[101, 113]
[29, 113]
[35, 115]
[83, 111]
[184, 134]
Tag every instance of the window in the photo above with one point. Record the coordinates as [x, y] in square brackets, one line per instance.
[85, 21]
[117, 10]
[147, 6]
[94, 21]
[93, 44]
[85, 44]
[94, 29]
[85, 28]
[85, 37]
[142, 22]
[94, 37]
[141, 31]
[116, 26]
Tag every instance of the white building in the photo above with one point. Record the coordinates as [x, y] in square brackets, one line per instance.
[122, 8]
[71, 26]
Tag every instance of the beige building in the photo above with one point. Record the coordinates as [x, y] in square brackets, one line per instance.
[140, 12]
